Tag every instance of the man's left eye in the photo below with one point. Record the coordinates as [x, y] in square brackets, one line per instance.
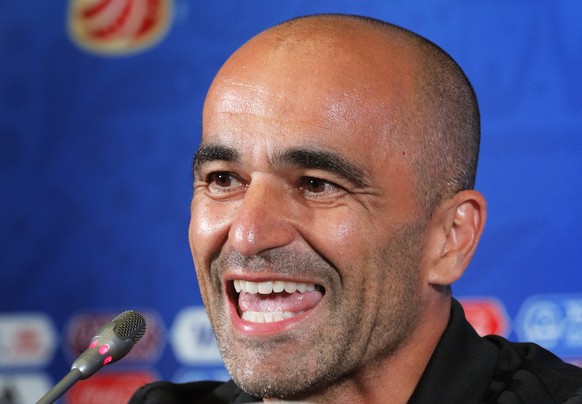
[317, 185]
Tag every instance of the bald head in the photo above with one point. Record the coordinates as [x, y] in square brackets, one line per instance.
[362, 67]
[334, 138]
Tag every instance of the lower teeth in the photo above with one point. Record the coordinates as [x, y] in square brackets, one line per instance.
[267, 317]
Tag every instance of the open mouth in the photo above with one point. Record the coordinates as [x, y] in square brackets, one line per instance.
[274, 300]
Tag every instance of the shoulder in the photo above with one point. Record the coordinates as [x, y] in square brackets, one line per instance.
[528, 372]
[195, 392]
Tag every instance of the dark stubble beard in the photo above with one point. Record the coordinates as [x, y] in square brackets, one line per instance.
[329, 358]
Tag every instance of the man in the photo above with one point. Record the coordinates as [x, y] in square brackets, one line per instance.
[333, 208]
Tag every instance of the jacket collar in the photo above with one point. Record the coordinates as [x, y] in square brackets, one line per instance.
[461, 366]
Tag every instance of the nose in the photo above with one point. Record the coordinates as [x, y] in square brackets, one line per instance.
[263, 220]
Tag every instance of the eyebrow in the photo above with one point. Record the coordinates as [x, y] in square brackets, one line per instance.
[305, 157]
[207, 153]
[331, 161]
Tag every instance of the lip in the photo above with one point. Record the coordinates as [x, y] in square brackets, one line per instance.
[264, 329]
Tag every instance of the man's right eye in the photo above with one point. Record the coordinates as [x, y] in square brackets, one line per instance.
[223, 182]
[220, 179]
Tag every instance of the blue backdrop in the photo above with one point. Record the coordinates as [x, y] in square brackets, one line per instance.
[97, 133]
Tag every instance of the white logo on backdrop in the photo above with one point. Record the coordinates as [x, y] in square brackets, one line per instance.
[192, 338]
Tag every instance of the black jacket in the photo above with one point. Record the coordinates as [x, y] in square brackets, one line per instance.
[464, 369]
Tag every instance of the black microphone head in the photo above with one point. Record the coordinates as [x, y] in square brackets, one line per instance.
[130, 325]
[111, 342]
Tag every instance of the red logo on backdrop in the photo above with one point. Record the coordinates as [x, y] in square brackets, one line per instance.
[26, 339]
[111, 388]
[486, 315]
[82, 327]
[117, 27]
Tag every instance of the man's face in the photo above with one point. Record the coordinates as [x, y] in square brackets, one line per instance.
[305, 232]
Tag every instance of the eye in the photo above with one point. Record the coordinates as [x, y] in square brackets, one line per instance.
[223, 182]
[221, 179]
[317, 187]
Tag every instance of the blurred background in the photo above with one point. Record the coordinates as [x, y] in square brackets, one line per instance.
[100, 108]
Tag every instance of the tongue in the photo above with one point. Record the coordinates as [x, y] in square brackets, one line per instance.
[293, 302]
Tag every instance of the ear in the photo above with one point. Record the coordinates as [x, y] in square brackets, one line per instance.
[456, 228]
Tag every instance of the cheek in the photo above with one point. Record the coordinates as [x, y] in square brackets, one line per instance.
[341, 232]
[341, 239]
[207, 231]
[209, 225]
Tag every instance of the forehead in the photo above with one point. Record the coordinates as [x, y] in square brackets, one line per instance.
[316, 91]
[264, 125]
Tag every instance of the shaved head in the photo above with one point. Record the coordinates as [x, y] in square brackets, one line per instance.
[430, 106]
[333, 149]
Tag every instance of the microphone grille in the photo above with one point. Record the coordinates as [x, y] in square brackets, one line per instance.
[130, 324]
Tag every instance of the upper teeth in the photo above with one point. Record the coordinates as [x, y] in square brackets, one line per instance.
[268, 287]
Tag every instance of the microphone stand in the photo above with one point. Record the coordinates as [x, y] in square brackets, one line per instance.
[61, 387]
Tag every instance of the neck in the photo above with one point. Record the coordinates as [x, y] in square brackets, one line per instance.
[394, 377]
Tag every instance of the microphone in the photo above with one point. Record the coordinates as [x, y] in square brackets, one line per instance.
[111, 343]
